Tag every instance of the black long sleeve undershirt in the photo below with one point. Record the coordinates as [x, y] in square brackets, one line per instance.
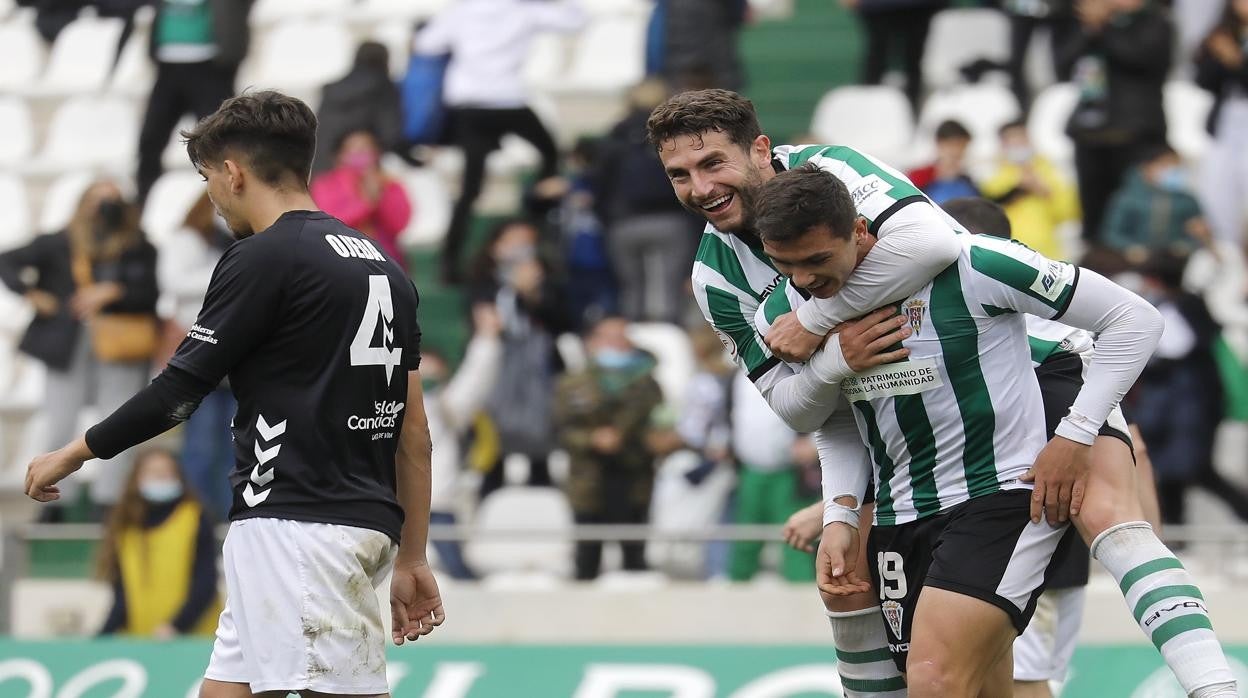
[166, 402]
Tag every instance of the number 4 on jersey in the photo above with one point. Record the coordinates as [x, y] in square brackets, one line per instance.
[380, 305]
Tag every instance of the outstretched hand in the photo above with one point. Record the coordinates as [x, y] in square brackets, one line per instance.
[415, 602]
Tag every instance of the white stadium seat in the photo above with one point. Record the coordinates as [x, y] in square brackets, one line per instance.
[397, 10]
[617, 7]
[1187, 111]
[18, 138]
[983, 109]
[82, 57]
[1050, 110]
[874, 119]
[959, 36]
[670, 345]
[301, 56]
[90, 132]
[15, 228]
[610, 54]
[134, 74]
[548, 61]
[61, 199]
[173, 157]
[273, 11]
[171, 197]
[22, 55]
[542, 509]
[431, 208]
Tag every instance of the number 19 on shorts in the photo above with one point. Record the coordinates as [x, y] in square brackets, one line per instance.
[892, 576]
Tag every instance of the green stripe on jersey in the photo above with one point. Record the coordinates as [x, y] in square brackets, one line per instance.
[1041, 349]
[1151, 567]
[921, 443]
[717, 255]
[1016, 274]
[959, 343]
[885, 514]
[777, 303]
[727, 317]
[994, 311]
[898, 188]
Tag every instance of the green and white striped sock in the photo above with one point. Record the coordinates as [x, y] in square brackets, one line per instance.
[1166, 603]
[862, 657]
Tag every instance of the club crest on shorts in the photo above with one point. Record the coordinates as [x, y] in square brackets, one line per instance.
[915, 310]
[893, 613]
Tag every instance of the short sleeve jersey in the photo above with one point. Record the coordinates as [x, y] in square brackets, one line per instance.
[316, 329]
[961, 417]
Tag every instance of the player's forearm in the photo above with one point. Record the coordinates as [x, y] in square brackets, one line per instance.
[413, 464]
[1127, 330]
[805, 399]
[163, 404]
[915, 245]
[845, 465]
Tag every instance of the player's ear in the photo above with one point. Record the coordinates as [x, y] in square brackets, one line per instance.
[860, 229]
[234, 176]
[760, 151]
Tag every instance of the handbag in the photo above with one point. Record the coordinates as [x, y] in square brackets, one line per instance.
[420, 93]
[118, 336]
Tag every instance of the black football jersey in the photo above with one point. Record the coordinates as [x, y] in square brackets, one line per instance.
[316, 329]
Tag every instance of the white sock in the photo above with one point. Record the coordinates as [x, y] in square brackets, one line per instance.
[1166, 603]
[862, 657]
[1217, 690]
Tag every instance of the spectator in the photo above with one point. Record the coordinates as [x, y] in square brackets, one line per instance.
[365, 99]
[947, 177]
[359, 193]
[767, 489]
[197, 46]
[185, 266]
[488, 41]
[1036, 196]
[451, 403]
[1179, 399]
[592, 289]
[603, 413]
[896, 26]
[1155, 210]
[1119, 59]
[652, 238]
[1026, 16]
[95, 320]
[1222, 68]
[512, 276]
[160, 555]
[703, 37]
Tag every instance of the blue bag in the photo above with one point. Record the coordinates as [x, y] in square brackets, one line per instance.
[424, 112]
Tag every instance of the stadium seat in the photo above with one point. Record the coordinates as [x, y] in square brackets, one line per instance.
[670, 345]
[171, 197]
[431, 208]
[300, 56]
[1050, 110]
[610, 55]
[174, 157]
[15, 228]
[617, 7]
[1187, 112]
[507, 509]
[134, 74]
[959, 36]
[22, 55]
[61, 199]
[82, 57]
[19, 139]
[547, 62]
[405, 11]
[982, 108]
[90, 132]
[266, 12]
[874, 119]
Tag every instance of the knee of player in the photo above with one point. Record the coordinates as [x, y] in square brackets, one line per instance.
[1099, 513]
[933, 677]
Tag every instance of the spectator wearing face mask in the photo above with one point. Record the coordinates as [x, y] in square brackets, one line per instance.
[94, 297]
[1155, 210]
[359, 193]
[159, 553]
[603, 414]
[947, 178]
[1036, 196]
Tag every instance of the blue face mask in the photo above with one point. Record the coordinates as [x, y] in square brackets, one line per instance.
[614, 359]
[1173, 179]
[160, 491]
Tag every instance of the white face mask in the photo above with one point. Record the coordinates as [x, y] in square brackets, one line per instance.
[1018, 154]
[160, 491]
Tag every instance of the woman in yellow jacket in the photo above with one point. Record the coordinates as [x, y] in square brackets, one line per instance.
[1036, 196]
[160, 553]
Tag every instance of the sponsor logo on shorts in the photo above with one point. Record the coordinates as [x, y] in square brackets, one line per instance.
[894, 614]
[901, 378]
[903, 647]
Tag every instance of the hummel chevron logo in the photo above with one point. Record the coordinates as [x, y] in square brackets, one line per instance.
[263, 455]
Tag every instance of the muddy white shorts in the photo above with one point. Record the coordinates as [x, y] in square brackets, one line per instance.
[301, 609]
[1043, 652]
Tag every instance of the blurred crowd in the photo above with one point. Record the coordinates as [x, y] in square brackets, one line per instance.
[588, 368]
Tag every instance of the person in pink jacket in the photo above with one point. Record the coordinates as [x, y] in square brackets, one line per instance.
[358, 193]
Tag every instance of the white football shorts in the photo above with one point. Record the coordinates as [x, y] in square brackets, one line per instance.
[1043, 652]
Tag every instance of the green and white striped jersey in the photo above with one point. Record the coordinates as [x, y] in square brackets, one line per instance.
[1049, 339]
[731, 276]
[961, 417]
